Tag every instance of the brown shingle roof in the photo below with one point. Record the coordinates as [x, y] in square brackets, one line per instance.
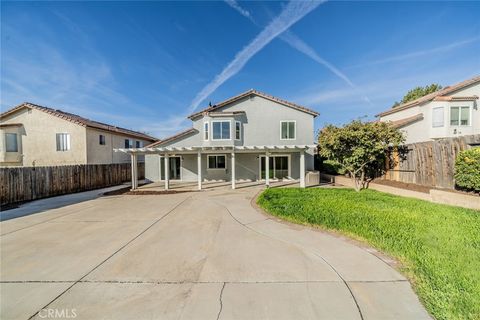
[258, 93]
[403, 122]
[174, 137]
[80, 121]
[431, 96]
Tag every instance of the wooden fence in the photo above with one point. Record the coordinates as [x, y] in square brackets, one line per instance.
[430, 163]
[30, 183]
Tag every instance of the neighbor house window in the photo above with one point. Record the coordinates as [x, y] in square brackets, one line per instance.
[460, 116]
[138, 144]
[437, 117]
[238, 127]
[128, 143]
[205, 131]
[216, 162]
[221, 130]
[287, 130]
[11, 142]
[101, 139]
[63, 141]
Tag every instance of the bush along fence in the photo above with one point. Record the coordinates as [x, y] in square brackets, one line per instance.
[30, 183]
[430, 163]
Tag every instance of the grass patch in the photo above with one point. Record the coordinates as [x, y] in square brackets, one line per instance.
[437, 245]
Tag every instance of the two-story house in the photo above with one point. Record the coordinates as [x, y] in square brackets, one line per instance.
[252, 136]
[450, 112]
[32, 135]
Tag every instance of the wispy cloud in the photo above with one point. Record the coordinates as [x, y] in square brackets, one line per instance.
[295, 42]
[292, 13]
[234, 4]
[419, 53]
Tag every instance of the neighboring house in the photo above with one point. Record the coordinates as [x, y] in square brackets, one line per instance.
[450, 112]
[32, 135]
[239, 139]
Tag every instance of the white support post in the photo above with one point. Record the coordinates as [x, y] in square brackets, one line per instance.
[199, 170]
[133, 164]
[302, 169]
[233, 170]
[135, 167]
[167, 170]
[267, 169]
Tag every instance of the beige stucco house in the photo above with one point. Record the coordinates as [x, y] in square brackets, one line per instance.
[32, 135]
[450, 112]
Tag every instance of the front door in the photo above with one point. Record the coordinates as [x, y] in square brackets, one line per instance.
[278, 167]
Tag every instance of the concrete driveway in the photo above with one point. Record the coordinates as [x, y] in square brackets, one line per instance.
[200, 255]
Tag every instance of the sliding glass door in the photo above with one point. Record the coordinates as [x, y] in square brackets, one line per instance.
[278, 167]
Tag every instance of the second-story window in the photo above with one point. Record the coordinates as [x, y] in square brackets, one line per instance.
[138, 144]
[287, 130]
[101, 139]
[205, 131]
[238, 127]
[128, 143]
[460, 116]
[220, 130]
[11, 143]
[63, 141]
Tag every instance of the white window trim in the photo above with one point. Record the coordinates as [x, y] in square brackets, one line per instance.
[295, 131]
[470, 115]
[211, 130]
[216, 155]
[443, 117]
[272, 156]
[206, 132]
[16, 142]
[239, 130]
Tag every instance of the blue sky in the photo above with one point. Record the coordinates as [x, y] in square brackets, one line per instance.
[146, 65]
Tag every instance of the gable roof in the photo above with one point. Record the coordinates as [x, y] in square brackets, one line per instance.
[79, 120]
[257, 93]
[435, 95]
[174, 137]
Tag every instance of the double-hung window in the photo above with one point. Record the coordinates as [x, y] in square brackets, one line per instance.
[459, 116]
[221, 130]
[11, 144]
[217, 162]
[238, 128]
[128, 143]
[63, 141]
[287, 130]
[138, 144]
[205, 131]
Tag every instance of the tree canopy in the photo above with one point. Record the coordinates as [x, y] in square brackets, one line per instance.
[418, 92]
[360, 148]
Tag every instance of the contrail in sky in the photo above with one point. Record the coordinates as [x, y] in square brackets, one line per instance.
[292, 13]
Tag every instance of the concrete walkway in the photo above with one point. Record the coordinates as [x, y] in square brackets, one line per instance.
[201, 255]
[42, 205]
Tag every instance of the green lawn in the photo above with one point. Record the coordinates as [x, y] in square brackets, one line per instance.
[437, 245]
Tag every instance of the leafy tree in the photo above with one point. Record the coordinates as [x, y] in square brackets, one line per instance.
[360, 148]
[418, 92]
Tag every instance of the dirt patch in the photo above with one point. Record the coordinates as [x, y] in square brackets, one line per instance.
[127, 191]
[403, 185]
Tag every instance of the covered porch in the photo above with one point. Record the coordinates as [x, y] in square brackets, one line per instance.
[209, 166]
[185, 186]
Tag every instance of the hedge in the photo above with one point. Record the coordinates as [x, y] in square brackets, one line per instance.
[467, 169]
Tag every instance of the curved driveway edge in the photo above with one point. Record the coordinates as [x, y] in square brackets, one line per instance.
[204, 255]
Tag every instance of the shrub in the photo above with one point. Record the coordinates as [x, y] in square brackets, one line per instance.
[467, 169]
